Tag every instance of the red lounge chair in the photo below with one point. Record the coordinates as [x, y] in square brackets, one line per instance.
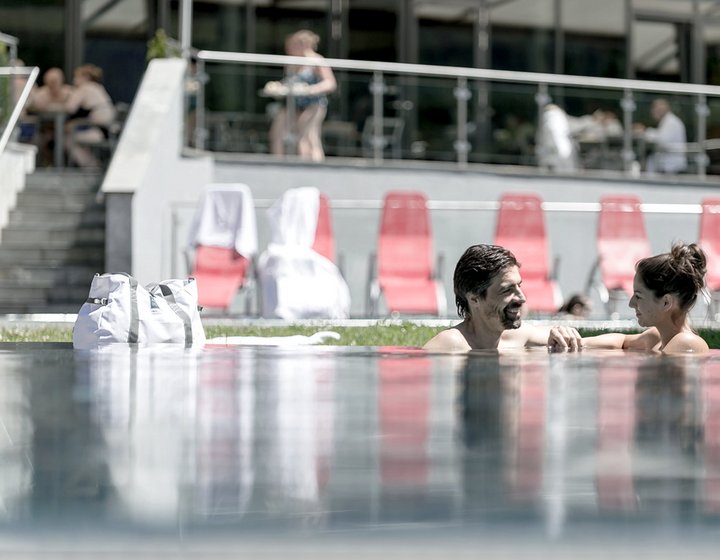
[521, 229]
[621, 242]
[710, 243]
[224, 224]
[324, 243]
[220, 272]
[297, 274]
[405, 276]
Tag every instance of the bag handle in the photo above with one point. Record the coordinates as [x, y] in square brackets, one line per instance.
[167, 293]
[134, 315]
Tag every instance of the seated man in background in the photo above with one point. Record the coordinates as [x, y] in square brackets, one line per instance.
[49, 97]
[52, 95]
[668, 140]
[489, 297]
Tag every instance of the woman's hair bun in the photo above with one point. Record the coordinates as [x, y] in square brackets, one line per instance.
[689, 259]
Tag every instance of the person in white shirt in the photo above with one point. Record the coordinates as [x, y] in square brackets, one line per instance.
[669, 140]
[555, 145]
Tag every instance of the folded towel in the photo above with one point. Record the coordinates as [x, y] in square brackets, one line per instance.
[296, 340]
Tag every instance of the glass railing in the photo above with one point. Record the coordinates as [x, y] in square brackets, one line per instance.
[392, 111]
[15, 86]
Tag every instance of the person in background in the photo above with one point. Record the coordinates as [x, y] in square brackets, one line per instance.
[52, 95]
[556, 149]
[668, 140]
[90, 114]
[309, 86]
[490, 301]
[577, 306]
[49, 97]
[664, 291]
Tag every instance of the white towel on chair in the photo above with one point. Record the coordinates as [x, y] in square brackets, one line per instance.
[298, 283]
[294, 217]
[225, 217]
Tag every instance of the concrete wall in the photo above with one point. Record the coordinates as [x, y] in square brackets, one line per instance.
[148, 167]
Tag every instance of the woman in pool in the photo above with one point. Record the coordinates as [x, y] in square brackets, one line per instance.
[664, 290]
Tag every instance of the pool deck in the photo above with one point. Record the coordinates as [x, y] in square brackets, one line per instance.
[39, 320]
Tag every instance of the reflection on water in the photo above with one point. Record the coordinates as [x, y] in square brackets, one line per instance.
[178, 441]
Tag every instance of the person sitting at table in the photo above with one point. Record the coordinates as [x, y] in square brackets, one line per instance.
[90, 114]
[309, 86]
[49, 97]
[52, 95]
[668, 140]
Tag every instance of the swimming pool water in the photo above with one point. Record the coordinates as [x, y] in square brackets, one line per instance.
[199, 452]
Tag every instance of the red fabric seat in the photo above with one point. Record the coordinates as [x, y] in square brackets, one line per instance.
[710, 240]
[520, 228]
[405, 255]
[621, 241]
[324, 243]
[219, 272]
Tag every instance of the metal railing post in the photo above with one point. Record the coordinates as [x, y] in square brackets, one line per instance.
[702, 111]
[628, 154]
[186, 15]
[291, 131]
[200, 133]
[462, 146]
[377, 88]
[542, 98]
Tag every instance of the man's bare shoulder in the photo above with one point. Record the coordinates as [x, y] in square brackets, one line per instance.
[517, 338]
[449, 340]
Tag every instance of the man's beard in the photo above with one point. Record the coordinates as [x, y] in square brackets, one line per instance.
[510, 316]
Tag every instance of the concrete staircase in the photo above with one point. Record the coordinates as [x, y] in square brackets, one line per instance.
[53, 244]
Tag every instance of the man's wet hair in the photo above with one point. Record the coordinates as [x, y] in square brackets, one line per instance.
[475, 270]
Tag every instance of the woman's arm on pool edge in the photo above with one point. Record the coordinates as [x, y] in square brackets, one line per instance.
[646, 340]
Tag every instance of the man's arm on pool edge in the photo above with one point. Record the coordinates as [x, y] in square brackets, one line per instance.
[556, 338]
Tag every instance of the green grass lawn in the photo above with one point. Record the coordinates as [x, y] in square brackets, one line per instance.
[406, 334]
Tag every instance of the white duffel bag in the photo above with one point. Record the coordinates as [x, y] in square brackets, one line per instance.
[118, 309]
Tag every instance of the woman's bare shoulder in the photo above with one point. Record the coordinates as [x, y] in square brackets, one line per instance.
[685, 342]
[449, 340]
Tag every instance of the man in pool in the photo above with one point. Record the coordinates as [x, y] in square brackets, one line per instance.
[489, 298]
